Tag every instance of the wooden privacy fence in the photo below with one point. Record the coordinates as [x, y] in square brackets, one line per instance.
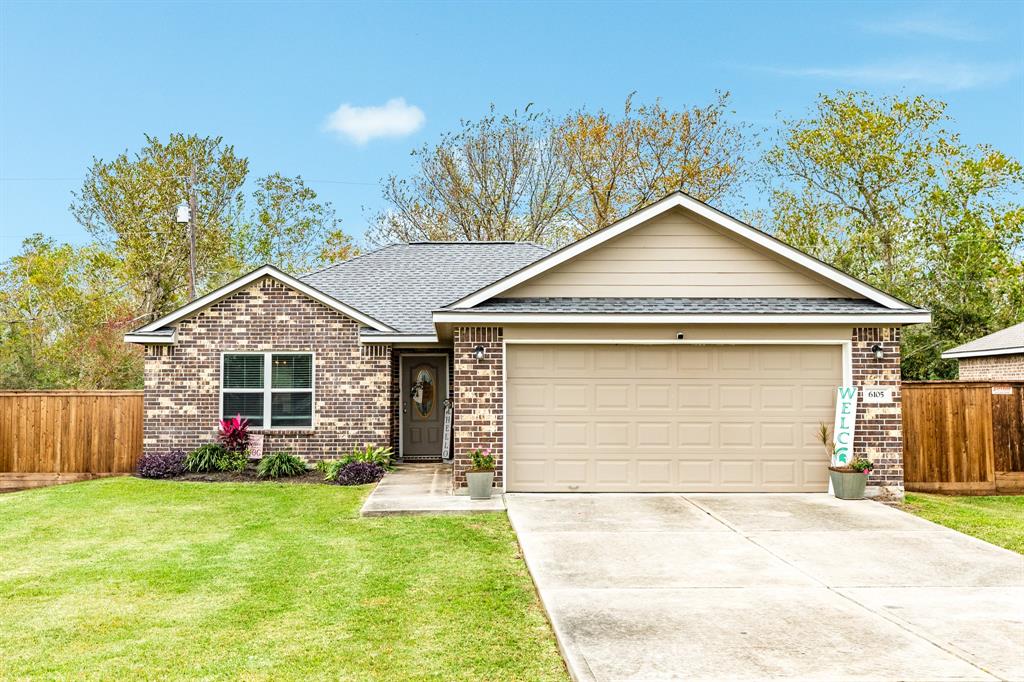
[963, 436]
[51, 437]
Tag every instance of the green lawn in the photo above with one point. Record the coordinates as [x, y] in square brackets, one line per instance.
[125, 578]
[995, 519]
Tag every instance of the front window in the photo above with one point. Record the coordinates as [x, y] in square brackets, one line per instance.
[268, 386]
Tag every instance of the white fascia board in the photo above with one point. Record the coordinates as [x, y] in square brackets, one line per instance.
[245, 280]
[399, 338]
[952, 354]
[151, 339]
[895, 317]
[679, 199]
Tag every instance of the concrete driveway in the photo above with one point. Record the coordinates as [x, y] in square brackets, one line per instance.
[650, 587]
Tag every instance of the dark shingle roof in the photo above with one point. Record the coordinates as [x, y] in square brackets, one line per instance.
[401, 284]
[1009, 341]
[767, 306]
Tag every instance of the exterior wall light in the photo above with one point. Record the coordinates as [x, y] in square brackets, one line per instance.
[478, 352]
[877, 350]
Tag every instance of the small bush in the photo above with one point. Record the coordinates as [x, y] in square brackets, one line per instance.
[360, 473]
[278, 464]
[374, 454]
[205, 458]
[162, 464]
[233, 433]
[233, 460]
[330, 468]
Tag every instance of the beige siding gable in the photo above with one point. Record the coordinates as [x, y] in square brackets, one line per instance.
[677, 254]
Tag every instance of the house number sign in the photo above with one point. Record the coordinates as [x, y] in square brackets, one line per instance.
[842, 432]
[876, 394]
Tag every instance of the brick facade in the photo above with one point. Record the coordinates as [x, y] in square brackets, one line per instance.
[992, 368]
[878, 434]
[352, 381]
[479, 398]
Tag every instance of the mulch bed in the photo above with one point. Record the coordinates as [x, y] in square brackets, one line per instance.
[249, 476]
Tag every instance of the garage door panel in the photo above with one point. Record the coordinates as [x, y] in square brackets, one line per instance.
[654, 435]
[696, 397]
[654, 397]
[660, 418]
[570, 396]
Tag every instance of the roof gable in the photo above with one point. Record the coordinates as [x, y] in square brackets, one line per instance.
[810, 274]
[152, 329]
[676, 254]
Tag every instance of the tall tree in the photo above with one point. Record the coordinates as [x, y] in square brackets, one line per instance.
[499, 178]
[62, 318]
[289, 228]
[527, 176]
[622, 165]
[128, 205]
[879, 188]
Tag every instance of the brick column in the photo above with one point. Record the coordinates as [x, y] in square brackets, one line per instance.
[879, 431]
[478, 390]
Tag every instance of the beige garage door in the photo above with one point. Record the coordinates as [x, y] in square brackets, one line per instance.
[669, 418]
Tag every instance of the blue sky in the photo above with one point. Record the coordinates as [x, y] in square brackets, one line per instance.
[89, 79]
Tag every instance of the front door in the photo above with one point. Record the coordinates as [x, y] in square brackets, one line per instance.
[424, 390]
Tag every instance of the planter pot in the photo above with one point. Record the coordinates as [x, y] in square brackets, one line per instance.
[480, 484]
[848, 485]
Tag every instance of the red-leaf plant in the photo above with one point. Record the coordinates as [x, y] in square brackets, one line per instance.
[234, 433]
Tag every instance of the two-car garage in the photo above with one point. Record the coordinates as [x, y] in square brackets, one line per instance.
[669, 417]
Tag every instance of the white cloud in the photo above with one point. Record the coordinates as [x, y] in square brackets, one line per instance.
[928, 27]
[362, 124]
[938, 74]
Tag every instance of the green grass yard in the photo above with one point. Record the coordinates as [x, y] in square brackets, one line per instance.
[126, 578]
[995, 519]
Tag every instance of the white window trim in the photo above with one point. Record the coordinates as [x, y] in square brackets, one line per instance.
[268, 390]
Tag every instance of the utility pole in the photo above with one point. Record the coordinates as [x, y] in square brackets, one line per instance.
[186, 215]
[193, 215]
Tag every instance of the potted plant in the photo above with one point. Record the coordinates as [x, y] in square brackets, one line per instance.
[480, 476]
[848, 478]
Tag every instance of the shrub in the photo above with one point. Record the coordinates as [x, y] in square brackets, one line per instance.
[360, 473]
[161, 464]
[233, 433]
[278, 464]
[330, 468]
[233, 460]
[205, 458]
[374, 454]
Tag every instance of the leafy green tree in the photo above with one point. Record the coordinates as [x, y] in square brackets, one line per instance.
[622, 164]
[879, 188]
[289, 228]
[128, 205]
[62, 317]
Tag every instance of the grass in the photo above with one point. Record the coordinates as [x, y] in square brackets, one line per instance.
[995, 519]
[127, 578]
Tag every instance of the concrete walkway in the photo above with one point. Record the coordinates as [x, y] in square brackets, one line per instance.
[653, 587]
[423, 489]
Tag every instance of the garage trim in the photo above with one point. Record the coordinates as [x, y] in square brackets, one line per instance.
[846, 346]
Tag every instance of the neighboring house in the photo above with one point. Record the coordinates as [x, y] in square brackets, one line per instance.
[996, 357]
[675, 350]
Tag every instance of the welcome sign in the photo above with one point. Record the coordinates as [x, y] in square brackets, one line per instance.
[842, 432]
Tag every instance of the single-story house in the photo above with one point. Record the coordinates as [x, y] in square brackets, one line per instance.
[678, 349]
[996, 357]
